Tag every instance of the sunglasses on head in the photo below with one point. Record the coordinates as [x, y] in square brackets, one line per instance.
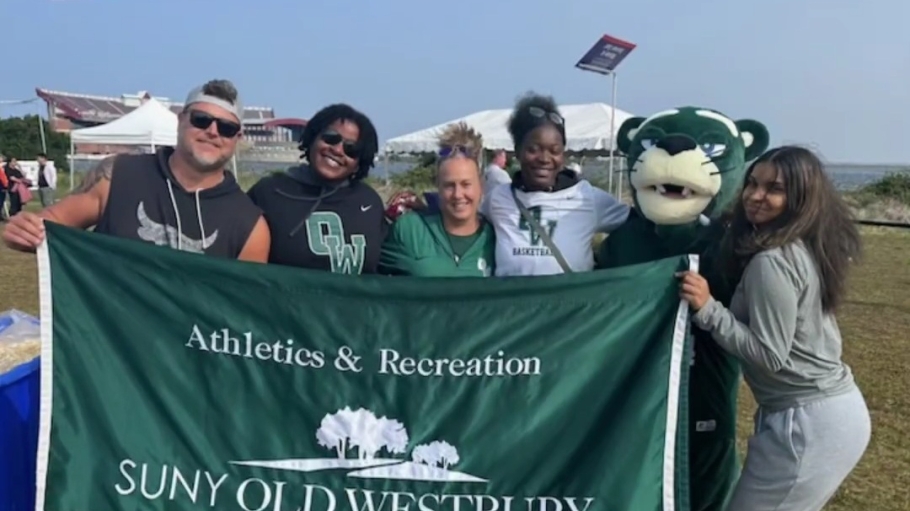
[447, 151]
[202, 121]
[334, 138]
[540, 113]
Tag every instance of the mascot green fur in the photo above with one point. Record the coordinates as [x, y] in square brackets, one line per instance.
[685, 168]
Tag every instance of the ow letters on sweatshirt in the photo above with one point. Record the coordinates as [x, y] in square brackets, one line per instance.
[571, 217]
[321, 227]
[418, 245]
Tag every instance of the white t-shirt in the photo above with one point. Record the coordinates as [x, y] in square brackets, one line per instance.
[493, 176]
[572, 216]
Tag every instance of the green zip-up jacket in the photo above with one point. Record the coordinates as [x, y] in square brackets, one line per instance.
[418, 245]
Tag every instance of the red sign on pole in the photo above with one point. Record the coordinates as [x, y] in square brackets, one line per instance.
[605, 55]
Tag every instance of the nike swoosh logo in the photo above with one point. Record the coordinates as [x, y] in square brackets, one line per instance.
[365, 208]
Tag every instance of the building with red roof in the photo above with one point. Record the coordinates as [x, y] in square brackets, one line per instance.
[263, 130]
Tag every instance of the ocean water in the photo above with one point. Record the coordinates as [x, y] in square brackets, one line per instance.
[846, 176]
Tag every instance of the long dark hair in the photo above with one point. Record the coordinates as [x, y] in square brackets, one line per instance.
[814, 214]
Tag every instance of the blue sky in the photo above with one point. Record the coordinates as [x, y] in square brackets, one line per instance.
[834, 74]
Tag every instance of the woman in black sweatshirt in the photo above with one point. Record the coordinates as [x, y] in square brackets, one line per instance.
[15, 176]
[321, 214]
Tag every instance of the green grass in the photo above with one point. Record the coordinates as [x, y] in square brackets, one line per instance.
[875, 323]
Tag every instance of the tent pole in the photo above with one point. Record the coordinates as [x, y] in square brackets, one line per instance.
[43, 135]
[613, 141]
[388, 175]
[72, 164]
[613, 133]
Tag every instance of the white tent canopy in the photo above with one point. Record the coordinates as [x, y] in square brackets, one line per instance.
[588, 128]
[151, 124]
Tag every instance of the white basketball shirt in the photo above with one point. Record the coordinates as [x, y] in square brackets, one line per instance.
[571, 217]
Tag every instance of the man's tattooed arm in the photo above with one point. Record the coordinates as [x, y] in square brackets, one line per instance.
[101, 172]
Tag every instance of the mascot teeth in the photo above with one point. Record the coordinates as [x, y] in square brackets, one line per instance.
[673, 191]
[687, 162]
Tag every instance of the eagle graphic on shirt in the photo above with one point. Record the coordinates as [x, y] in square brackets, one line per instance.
[165, 235]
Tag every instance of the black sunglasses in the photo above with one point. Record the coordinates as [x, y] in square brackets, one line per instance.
[333, 138]
[540, 113]
[202, 121]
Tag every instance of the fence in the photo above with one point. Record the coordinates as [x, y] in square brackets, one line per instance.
[846, 177]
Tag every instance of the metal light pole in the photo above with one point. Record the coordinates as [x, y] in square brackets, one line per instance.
[43, 136]
[613, 135]
[603, 58]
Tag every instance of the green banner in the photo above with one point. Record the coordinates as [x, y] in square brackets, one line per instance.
[175, 381]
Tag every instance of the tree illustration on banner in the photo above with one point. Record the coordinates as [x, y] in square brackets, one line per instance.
[361, 430]
[335, 430]
[435, 453]
[368, 436]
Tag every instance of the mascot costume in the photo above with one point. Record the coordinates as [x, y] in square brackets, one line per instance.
[685, 168]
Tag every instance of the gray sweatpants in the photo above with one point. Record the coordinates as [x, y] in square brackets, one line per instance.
[798, 457]
[47, 196]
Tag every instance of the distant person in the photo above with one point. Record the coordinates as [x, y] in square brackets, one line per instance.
[178, 197]
[792, 240]
[321, 214]
[545, 221]
[495, 173]
[4, 186]
[575, 167]
[455, 241]
[47, 180]
[19, 192]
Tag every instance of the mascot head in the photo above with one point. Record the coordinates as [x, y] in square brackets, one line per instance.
[688, 162]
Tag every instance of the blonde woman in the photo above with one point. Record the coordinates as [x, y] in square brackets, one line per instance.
[456, 241]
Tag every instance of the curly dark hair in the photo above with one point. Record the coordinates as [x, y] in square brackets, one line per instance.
[814, 214]
[368, 142]
[522, 121]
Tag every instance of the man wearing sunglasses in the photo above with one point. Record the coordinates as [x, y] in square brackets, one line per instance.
[181, 197]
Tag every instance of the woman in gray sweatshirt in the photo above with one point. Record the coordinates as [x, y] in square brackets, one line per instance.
[789, 245]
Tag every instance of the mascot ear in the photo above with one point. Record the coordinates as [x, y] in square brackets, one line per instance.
[756, 137]
[627, 132]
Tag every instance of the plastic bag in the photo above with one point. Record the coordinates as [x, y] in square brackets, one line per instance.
[20, 339]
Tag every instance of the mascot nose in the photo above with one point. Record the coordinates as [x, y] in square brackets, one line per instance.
[675, 144]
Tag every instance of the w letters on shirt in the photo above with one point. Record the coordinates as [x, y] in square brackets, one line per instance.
[570, 217]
